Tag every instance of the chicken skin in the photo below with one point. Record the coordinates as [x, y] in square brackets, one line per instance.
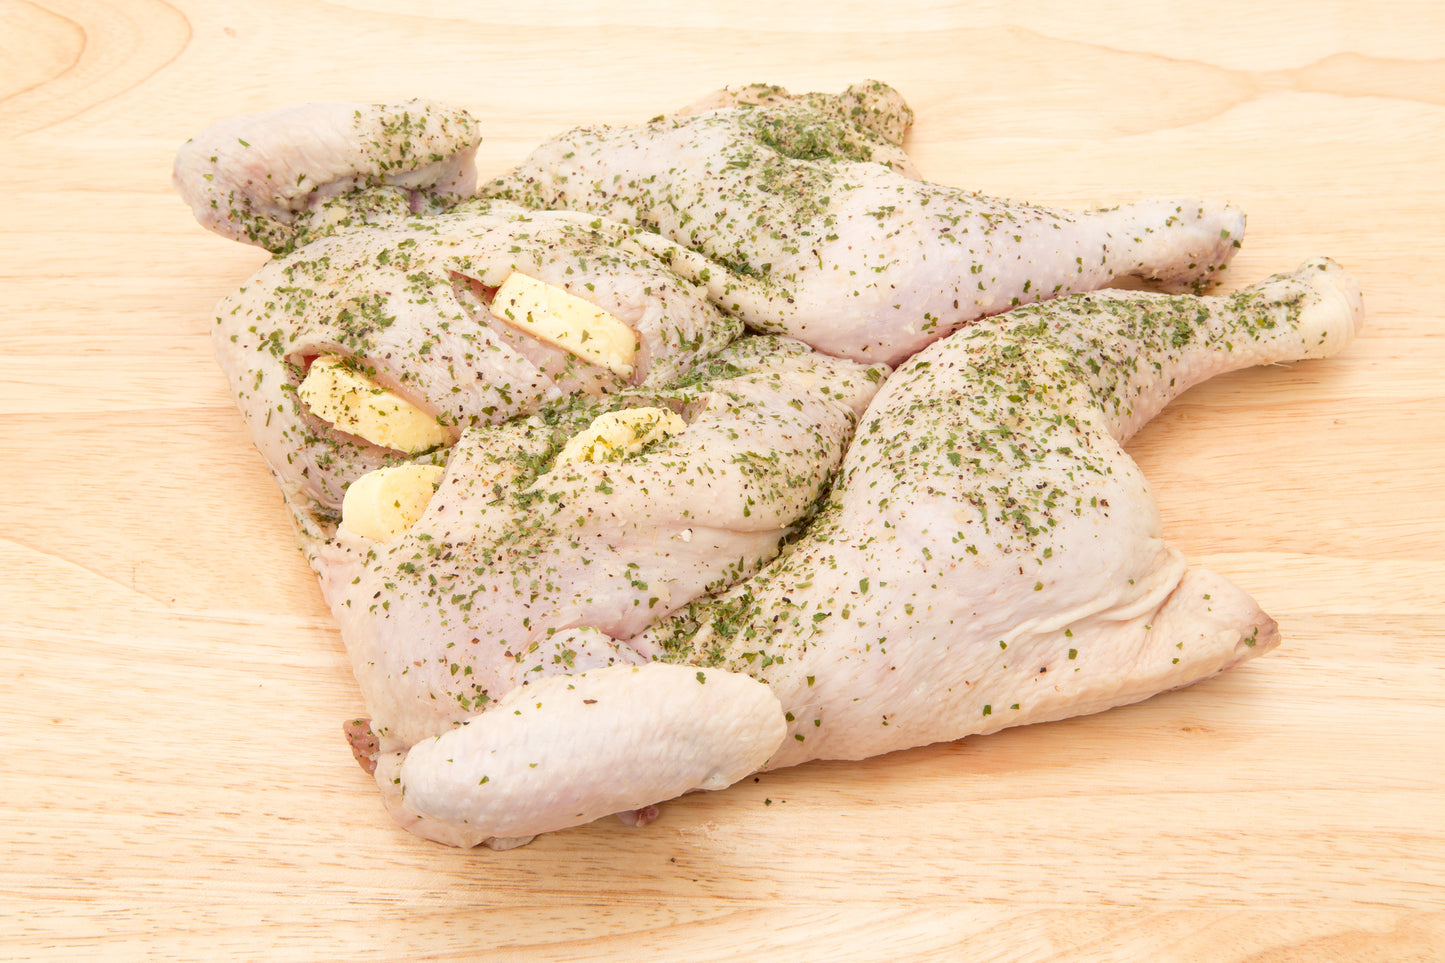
[989, 557]
[518, 546]
[591, 545]
[804, 217]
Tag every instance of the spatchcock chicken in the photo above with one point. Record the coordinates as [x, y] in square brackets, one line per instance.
[719, 443]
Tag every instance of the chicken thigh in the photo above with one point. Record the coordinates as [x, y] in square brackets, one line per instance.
[263, 178]
[804, 217]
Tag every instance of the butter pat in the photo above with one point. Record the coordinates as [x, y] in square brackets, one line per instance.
[338, 393]
[550, 314]
[619, 433]
[386, 502]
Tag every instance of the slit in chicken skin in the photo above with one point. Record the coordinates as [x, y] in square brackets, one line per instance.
[343, 392]
[570, 339]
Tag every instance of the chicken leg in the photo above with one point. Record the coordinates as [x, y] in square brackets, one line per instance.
[804, 217]
[990, 555]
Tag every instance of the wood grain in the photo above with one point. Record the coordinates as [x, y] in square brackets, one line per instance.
[171, 687]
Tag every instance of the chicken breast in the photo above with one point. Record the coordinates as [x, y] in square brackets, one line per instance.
[803, 216]
[410, 304]
[378, 270]
[517, 546]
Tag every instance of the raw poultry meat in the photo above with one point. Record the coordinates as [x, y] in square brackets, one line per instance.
[409, 302]
[263, 178]
[617, 574]
[408, 296]
[989, 557]
[524, 565]
[804, 216]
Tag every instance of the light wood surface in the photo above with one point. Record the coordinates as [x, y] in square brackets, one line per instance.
[174, 782]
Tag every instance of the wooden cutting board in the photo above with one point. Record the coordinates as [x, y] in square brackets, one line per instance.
[175, 784]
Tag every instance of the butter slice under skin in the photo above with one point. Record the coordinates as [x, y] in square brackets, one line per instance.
[619, 433]
[386, 502]
[338, 393]
[550, 314]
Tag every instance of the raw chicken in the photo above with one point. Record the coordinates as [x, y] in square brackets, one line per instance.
[261, 177]
[409, 302]
[621, 575]
[516, 549]
[804, 217]
[989, 557]
[375, 267]
[567, 750]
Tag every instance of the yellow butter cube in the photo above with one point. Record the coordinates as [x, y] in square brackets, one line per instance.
[619, 433]
[384, 503]
[550, 314]
[337, 392]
